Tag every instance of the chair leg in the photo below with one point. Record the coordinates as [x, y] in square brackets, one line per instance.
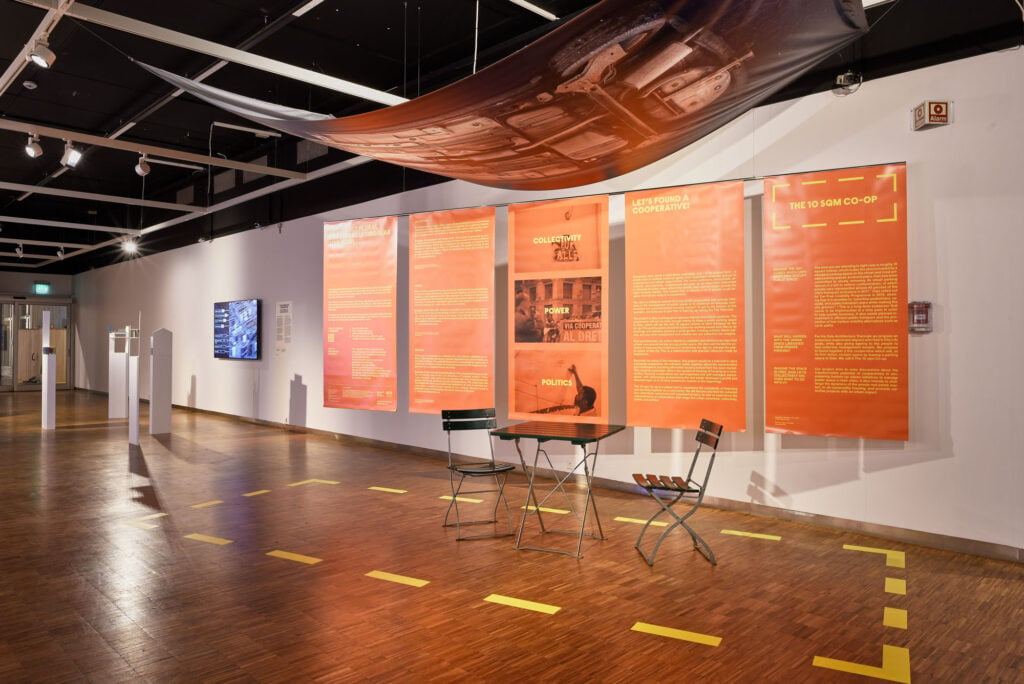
[499, 482]
[680, 521]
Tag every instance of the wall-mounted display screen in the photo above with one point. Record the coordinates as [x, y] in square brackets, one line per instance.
[236, 329]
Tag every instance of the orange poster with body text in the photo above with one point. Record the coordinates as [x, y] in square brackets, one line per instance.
[360, 284]
[451, 310]
[558, 299]
[685, 341]
[835, 270]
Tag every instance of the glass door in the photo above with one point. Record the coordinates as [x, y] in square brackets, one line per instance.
[6, 346]
[28, 344]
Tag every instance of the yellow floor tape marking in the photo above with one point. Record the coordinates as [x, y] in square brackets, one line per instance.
[298, 558]
[893, 559]
[258, 492]
[207, 504]
[656, 523]
[895, 665]
[520, 603]
[314, 481]
[894, 617]
[895, 586]
[556, 511]
[390, 490]
[152, 516]
[463, 499]
[681, 634]
[400, 579]
[141, 525]
[209, 540]
[755, 535]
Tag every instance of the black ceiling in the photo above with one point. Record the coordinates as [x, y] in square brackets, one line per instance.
[406, 48]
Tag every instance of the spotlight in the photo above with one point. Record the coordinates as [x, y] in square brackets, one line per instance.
[19, 250]
[142, 168]
[130, 247]
[72, 155]
[42, 55]
[60, 252]
[32, 147]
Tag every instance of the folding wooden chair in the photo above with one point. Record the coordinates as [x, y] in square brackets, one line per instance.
[669, 490]
[475, 419]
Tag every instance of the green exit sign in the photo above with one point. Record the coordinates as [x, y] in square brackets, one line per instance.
[40, 288]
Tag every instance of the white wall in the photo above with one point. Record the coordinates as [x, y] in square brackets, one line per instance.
[961, 472]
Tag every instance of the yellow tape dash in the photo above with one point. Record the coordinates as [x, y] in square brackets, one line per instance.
[754, 535]
[895, 586]
[894, 617]
[556, 511]
[895, 665]
[637, 521]
[297, 557]
[389, 490]
[207, 504]
[851, 223]
[681, 634]
[141, 525]
[258, 492]
[893, 559]
[814, 225]
[814, 182]
[314, 481]
[209, 540]
[152, 516]
[398, 579]
[520, 603]
[851, 178]
[463, 499]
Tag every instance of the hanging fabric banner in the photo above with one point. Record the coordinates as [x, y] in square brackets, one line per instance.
[835, 265]
[685, 342]
[451, 310]
[360, 283]
[558, 339]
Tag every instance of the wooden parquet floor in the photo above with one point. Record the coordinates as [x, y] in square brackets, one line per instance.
[104, 579]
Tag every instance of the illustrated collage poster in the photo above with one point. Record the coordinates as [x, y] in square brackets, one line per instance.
[451, 310]
[360, 309]
[685, 339]
[835, 264]
[558, 300]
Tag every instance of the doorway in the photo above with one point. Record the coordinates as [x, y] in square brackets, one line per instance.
[21, 343]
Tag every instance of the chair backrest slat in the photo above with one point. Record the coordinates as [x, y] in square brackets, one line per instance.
[708, 438]
[463, 414]
[485, 424]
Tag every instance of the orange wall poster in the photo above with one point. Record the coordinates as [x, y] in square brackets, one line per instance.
[360, 283]
[685, 342]
[451, 310]
[835, 265]
[558, 300]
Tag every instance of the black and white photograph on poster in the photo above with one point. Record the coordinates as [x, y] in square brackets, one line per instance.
[564, 310]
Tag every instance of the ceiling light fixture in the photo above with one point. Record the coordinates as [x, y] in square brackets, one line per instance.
[72, 155]
[41, 54]
[142, 168]
[130, 247]
[32, 147]
[19, 250]
[60, 252]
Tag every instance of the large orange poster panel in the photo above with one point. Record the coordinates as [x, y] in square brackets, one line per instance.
[360, 283]
[835, 251]
[558, 299]
[451, 310]
[685, 341]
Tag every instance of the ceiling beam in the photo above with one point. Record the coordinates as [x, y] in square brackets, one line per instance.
[45, 243]
[117, 22]
[139, 148]
[67, 224]
[115, 199]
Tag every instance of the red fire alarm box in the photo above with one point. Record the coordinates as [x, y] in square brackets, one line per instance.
[920, 317]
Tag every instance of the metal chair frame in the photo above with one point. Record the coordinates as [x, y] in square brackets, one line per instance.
[675, 489]
[475, 419]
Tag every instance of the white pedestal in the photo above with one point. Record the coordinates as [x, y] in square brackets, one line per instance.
[160, 346]
[49, 388]
[117, 375]
[133, 400]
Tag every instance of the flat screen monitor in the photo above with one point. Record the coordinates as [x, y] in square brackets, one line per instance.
[236, 329]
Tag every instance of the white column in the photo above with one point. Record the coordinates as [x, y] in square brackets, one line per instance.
[49, 408]
[160, 346]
